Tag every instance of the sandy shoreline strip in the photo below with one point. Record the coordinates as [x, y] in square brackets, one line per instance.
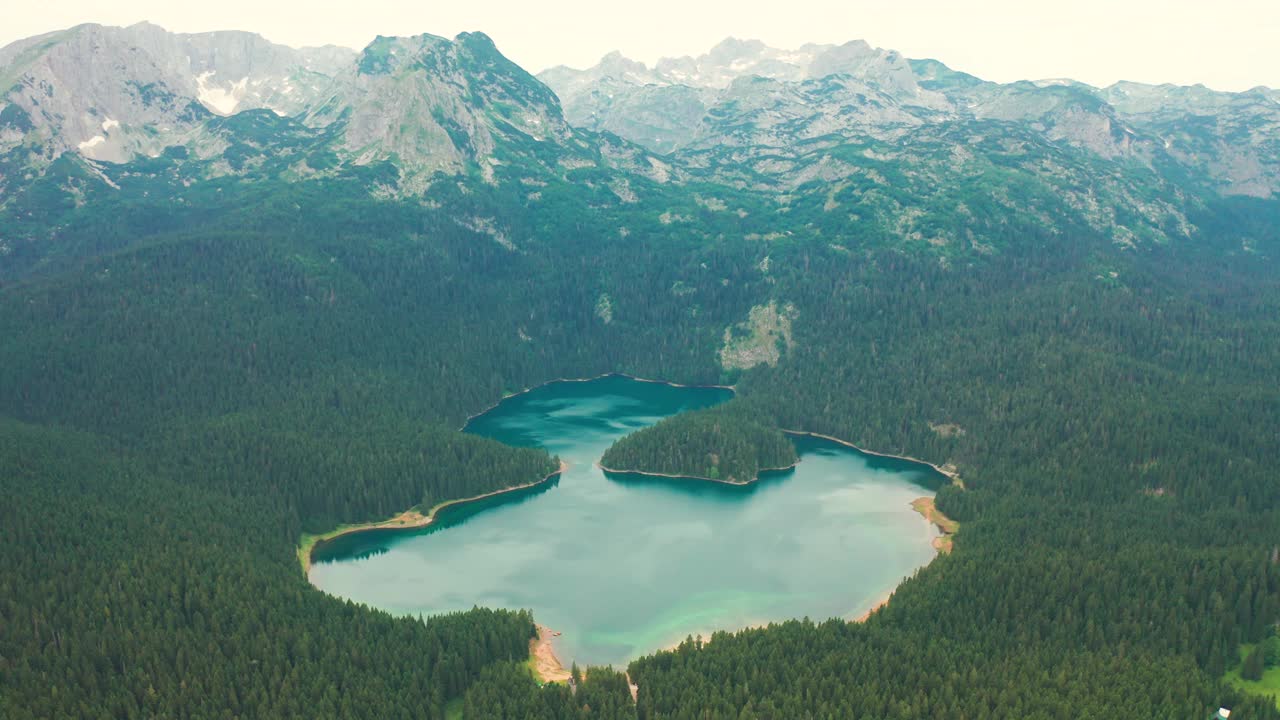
[943, 544]
[411, 519]
[879, 604]
[926, 506]
[542, 657]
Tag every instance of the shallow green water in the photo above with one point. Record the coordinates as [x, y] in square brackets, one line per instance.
[624, 565]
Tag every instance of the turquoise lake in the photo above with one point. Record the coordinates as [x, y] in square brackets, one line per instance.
[624, 565]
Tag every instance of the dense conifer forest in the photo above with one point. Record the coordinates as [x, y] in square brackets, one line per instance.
[711, 444]
[131, 593]
[183, 399]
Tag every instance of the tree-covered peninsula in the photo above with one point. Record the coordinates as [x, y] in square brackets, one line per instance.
[712, 444]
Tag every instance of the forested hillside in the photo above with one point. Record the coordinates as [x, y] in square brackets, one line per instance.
[132, 593]
[185, 404]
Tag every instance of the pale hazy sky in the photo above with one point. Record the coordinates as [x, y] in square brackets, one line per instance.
[1225, 44]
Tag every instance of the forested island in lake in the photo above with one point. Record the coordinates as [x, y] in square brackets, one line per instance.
[715, 444]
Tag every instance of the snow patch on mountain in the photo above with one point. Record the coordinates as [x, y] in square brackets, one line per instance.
[218, 99]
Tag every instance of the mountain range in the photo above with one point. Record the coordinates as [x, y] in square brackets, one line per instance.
[912, 152]
[746, 94]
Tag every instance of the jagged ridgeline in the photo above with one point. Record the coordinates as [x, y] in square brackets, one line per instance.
[730, 444]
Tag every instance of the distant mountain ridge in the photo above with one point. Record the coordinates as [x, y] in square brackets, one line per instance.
[115, 95]
[664, 108]
[852, 143]
[731, 94]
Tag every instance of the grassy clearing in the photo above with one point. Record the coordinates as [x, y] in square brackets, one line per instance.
[543, 663]
[1268, 685]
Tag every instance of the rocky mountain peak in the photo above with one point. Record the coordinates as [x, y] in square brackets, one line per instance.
[425, 103]
[432, 105]
[113, 94]
[386, 55]
[886, 69]
[731, 48]
[619, 67]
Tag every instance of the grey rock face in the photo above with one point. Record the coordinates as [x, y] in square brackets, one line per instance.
[1229, 142]
[113, 94]
[1232, 139]
[425, 104]
[435, 105]
[905, 149]
[688, 101]
[914, 148]
[754, 101]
